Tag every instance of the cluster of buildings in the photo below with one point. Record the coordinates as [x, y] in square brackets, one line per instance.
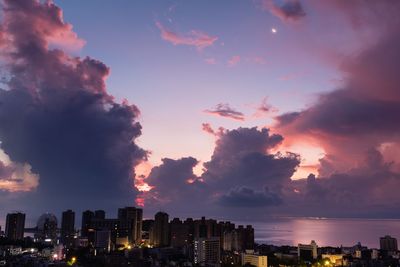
[202, 242]
[130, 240]
[357, 255]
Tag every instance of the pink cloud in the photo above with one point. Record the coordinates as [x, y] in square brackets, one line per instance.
[233, 61]
[258, 60]
[194, 38]
[291, 76]
[211, 61]
[206, 127]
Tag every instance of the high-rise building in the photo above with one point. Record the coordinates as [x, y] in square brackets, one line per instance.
[200, 228]
[247, 236]
[132, 218]
[388, 243]
[102, 241]
[207, 251]
[68, 223]
[47, 228]
[87, 217]
[190, 224]
[179, 233]
[15, 224]
[68, 227]
[160, 233]
[99, 214]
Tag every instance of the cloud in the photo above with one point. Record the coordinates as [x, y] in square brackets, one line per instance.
[247, 197]
[242, 157]
[257, 60]
[241, 164]
[224, 110]
[264, 108]
[210, 61]
[57, 117]
[194, 38]
[357, 124]
[290, 11]
[206, 127]
[16, 177]
[173, 185]
[234, 61]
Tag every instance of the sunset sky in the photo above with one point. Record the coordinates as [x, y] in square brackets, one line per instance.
[234, 109]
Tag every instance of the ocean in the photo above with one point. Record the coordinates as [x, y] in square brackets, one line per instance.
[326, 232]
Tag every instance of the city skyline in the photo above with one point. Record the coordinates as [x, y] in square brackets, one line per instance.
[240, 110]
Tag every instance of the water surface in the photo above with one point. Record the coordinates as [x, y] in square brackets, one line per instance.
[326, 232]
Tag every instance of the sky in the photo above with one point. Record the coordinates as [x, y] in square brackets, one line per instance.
[232, 109]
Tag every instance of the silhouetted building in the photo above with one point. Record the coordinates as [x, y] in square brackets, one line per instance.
[200, 228]
[102, 241]
[388, 243]
[238, 239]
[68, 227]
[132, 217]
[15, 224]
[207, 251]
[99, 214]
[248, 237]
[160, 231]
[87, 217]
[47, 228]
[179, 233]
[308, 252]
[190, 225]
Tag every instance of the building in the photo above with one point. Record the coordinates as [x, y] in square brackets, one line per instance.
[238, 239]
[160, 230]
[87, 217]
[132, 218]
[68, 227]
[47, 228]
[308, 252]
[179, 233]
[388, 243]
[249, 257]
[99, 214]
[207, 251]
[15, 225]
[147, 227]
[102, 241]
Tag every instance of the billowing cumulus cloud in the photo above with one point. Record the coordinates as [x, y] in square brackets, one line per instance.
[56, 115]
[289, 11]
[194, 38]
[358, 124]
[242, 169]
[224, 110]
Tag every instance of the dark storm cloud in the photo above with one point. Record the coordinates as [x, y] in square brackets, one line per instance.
[248, 197]
[224, 110]
[241, 164]
[56, 115]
